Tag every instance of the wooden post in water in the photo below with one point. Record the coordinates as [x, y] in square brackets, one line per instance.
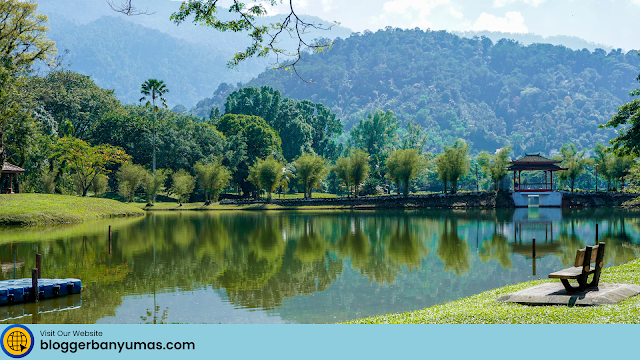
[533, 247]
[109, 239]
[596, 233]
[39, 265]
[15, 261]
[33, 294]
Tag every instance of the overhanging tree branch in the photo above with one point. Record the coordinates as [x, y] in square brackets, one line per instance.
[127, 8]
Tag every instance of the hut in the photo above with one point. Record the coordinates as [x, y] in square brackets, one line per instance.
[11, 170]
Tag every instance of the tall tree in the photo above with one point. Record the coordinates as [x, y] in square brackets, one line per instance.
[267, 174]
[574, 161]
[213, 177]
[453, 163]
[153, 90]
[22, 42]
[495, 165]
[404, 165]
[310, 170]
[628, 139]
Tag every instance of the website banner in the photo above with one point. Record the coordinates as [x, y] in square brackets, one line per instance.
[313, 341]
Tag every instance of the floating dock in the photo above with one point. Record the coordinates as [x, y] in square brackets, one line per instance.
[21, 290]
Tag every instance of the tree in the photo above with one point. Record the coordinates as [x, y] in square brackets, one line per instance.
[87, 162]
[250, 138]
[310, 170]
[155, 90]
[22, 42]
[264, 38]
[130, 178]
[628, 139]
[183, 185]
[152, 184]
[213, 178]
[99, 185]
[358, 168]
[343, 171]
[404, 165]
[574, 161]
[495, 165]
[267, 174]
[452, 164]
[74, 101]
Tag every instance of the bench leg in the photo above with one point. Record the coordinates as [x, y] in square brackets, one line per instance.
[582, 285]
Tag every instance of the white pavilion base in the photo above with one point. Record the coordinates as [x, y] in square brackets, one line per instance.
[545, 199]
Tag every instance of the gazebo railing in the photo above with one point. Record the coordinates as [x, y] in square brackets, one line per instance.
[533, 187]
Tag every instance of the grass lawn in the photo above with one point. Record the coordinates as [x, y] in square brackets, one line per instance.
[33, 209]
[484, 309]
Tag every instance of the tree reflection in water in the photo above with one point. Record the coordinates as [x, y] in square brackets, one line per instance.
[259, 260]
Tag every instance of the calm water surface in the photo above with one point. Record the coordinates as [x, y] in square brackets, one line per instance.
[298, 267]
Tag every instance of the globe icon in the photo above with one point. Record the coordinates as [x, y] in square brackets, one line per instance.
[17, 340]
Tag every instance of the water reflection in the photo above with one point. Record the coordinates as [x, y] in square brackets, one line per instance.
[302, 266]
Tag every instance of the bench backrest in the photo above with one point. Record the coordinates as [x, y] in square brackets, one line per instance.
[581, 253]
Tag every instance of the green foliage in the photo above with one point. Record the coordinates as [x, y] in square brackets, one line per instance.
[376, 133]
[99, 185]
[212, 177]
[152, 184]
[86, 162]
[404, 165]
[353, 170]
[310, 170]
[183, 185]
[75, 102]
[267, 174]
[130, 178]
[251, 138]
[575, 163]
[495, 165]
[307, 126]
[452, 164]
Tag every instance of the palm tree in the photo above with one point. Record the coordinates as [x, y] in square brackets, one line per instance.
[154, 89]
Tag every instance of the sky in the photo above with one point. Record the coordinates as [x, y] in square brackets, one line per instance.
[610, 22]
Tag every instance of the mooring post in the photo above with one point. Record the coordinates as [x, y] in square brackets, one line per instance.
[109, 239]
[596, 233]
[39, 265]
[533, 247]
[15, 261]
[33, 294]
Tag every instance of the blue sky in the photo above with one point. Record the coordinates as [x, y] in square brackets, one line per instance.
[611, 22]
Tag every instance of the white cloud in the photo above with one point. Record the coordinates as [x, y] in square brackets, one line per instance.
[458, 14]
[327, 5]
[534, 3]
[415, 11]
[512, 22]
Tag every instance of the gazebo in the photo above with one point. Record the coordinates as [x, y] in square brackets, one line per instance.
[534, 162]
[10, 170]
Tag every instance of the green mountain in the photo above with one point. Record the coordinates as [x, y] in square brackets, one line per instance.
[120, 52]
[534, 97]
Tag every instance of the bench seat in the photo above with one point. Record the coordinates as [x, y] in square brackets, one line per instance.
[570, 273]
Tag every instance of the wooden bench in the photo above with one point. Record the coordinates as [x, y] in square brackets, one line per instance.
[582, 268]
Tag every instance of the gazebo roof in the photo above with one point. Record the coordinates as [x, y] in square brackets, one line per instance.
[8, 168]
[535, 159]
[535, 162]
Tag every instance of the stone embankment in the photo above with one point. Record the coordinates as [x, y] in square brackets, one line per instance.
[486, 200]
[592, 199]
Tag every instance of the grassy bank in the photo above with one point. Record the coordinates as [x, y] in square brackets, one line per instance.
[484, 309]
[35, 209]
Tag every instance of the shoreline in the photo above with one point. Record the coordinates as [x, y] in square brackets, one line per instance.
[479, 200]
[483, 308]
[50, 209]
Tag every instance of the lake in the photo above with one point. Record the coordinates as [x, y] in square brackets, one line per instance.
[297, 266]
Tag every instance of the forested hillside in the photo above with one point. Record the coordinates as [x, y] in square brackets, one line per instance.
[534, 97]
[121, 52]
